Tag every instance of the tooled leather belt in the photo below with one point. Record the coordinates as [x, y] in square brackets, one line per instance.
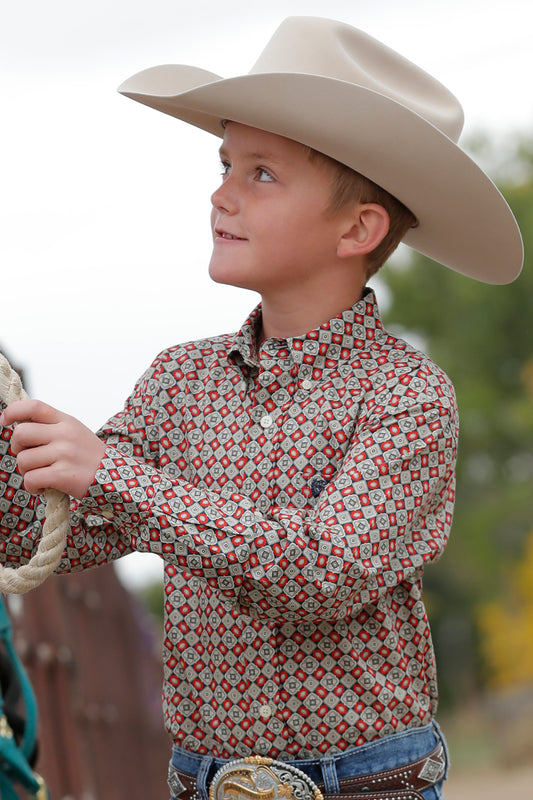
[259, 778]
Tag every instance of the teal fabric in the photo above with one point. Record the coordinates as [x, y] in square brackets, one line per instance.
[14, 766]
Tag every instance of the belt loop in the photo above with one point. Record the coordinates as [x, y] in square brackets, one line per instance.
[201, 780]
[329, 775]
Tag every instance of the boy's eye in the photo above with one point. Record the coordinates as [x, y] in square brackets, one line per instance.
[263, 174]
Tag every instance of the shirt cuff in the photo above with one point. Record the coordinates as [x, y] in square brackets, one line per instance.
[122, 490]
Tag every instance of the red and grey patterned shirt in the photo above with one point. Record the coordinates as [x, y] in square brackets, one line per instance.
[295, 495]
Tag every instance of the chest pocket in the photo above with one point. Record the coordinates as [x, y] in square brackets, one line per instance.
[315, 429]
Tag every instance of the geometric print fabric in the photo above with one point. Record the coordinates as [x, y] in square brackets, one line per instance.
[295, 494]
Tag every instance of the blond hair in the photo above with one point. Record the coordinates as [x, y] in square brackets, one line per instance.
[349, 186]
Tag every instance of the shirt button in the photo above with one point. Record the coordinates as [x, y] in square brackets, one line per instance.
[307, 384]
[265, 711]
[266, 421]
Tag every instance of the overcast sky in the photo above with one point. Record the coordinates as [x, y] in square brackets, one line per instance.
[105, 203]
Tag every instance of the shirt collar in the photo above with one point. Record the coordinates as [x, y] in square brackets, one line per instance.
[321, 348]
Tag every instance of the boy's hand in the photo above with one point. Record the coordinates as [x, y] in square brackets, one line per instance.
[54, 450]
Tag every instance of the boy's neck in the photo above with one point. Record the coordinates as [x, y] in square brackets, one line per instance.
[287, 317]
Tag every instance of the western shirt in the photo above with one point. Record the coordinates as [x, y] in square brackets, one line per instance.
[295, 492]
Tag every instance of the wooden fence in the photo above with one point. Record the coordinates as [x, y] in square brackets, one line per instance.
[94, 657]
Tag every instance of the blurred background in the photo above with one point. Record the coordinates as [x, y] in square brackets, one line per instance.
[105, 242]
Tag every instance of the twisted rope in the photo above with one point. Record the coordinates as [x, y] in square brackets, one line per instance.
[56, 525]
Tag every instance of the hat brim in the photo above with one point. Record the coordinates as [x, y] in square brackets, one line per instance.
[464, 222]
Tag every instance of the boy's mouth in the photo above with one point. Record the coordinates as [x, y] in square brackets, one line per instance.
[221, 234]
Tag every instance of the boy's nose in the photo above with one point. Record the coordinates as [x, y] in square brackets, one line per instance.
[223, 198]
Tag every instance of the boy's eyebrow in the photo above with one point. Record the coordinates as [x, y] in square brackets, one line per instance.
[258, 155]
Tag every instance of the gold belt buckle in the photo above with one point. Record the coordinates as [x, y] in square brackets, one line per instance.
[260, 778]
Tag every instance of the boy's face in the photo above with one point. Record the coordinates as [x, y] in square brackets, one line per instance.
[270, 228]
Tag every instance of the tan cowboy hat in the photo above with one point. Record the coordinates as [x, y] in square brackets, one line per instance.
[338, 90]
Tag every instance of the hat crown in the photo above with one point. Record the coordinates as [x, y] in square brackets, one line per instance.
[316, 46]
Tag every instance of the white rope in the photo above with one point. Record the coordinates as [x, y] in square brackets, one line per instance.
[56, 525]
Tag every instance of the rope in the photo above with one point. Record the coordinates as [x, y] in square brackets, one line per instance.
[56, 525]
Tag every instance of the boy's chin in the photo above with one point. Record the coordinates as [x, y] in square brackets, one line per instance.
[230, 277]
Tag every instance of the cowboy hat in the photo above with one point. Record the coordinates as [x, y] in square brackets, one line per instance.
[338, 90]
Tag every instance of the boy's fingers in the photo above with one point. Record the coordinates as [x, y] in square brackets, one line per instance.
[34, 458]
[53, 449]
[29, 435]
[37, 480]
[33, 410]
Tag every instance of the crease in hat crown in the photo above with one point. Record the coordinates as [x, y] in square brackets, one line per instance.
[338, 90]
[305, 45]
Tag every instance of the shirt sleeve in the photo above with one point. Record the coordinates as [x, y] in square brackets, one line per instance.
[383, 516]
[92, 539]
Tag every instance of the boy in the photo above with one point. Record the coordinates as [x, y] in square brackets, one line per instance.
[297, 476]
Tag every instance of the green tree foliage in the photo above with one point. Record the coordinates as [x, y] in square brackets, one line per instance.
[482, 336]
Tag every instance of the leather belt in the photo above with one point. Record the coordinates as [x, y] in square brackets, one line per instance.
[260, 778]
[402, 783]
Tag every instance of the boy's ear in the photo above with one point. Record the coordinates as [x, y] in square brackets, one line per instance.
[369, 227]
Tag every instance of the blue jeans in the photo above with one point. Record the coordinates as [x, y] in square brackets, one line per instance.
[387, 753]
